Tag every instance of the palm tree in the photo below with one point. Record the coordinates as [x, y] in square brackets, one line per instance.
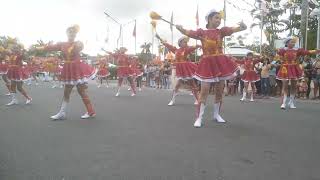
[146, 48]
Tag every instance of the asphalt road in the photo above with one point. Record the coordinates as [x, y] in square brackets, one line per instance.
[141, 138]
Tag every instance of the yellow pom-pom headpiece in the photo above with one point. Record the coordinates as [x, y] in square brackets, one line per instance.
[295, 39]
[292, 38]
[74, 29]
[221, 13]
[155, 16]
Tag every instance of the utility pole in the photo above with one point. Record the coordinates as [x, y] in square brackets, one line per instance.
[304, 21]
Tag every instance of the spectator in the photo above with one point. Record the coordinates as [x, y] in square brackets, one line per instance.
[258, 83]
[166, 75]
[307, 66]
[139, 78]
[157, 76]
[265, 84]
[302, 89]
[272, 79]
[151, 73]
[231, 84]
[316, 78]
[147, 75]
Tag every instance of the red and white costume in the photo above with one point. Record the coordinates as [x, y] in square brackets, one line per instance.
[124, 70]
[52, 65]
[3, 67]
[214, 66]
[123, 65]
[74, 71]
[103, 68]
[34, 66]
[16, 70]
[134, 64]
[290, 69]
[184, 68]
[249, 74]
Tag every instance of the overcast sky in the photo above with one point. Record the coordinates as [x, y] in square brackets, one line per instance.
[47, 20]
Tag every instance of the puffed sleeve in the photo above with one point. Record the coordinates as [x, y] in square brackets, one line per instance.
[53, 47]
[226, 31]
[198, 34]
[281, 52]
[170, 47]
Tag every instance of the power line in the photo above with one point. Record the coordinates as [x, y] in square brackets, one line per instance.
[237, 7]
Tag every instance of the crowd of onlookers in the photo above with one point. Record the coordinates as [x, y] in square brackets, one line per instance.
[158, 76]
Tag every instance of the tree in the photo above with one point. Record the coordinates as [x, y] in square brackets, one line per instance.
[297, 22]
[304, 19]
[146, 48]
[269, 17]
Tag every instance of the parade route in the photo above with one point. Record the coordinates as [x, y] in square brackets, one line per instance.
[140, 137]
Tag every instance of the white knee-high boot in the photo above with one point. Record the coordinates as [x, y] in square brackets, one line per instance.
[201, 107]
[216, 113]
[62, 113]
[13, 99]
[291, 102]
[243, 96]
[251, 99]
[284, 100]
[173, 99]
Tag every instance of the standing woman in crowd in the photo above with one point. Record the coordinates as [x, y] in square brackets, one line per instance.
[290, 69]
[214, 66]
[265, 81]
[166, 75]
[272, 78]
[137, 68]
[316, 78]
[185, 69]
[74, 72]
[307, 67]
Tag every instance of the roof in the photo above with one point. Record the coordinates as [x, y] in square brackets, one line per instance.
[238, 51]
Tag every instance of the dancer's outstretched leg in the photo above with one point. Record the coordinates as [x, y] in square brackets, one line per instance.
[82, 90]
[66, 98]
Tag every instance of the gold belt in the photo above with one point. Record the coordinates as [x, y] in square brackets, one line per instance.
[69, 62]
[180, 62]
[208, 55]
